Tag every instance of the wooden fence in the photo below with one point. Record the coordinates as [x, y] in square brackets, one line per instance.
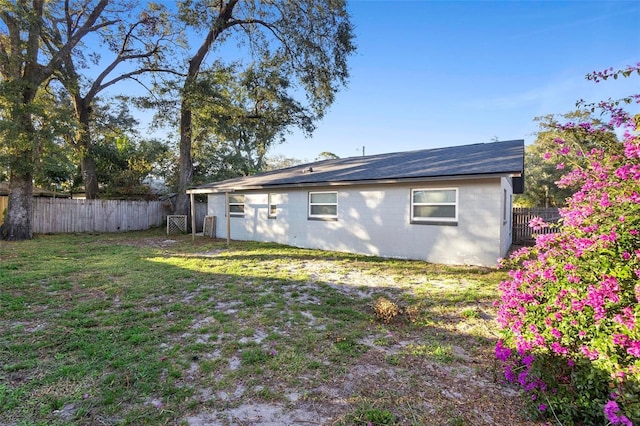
[523, 233]
[4, 203]
[63, 215]
[60, 215]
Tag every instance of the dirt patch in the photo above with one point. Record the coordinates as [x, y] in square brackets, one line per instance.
[465, 387]
[261, 414]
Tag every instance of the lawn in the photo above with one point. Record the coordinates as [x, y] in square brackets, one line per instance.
[140, 328]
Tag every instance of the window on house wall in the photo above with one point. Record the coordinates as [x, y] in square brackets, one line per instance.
[509, 218]
[273, 207]
[504, 206]
[434, 205]
[236, 204]
[323, 205]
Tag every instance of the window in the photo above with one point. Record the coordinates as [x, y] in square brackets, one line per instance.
[504, 206]
[236, 204]
[273, 207]
[323, 205]
[434, 205]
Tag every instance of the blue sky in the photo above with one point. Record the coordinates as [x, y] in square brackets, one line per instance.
[442, 73]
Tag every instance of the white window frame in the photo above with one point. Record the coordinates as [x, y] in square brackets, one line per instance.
[504, 206]
[272, 206]
[237, 214]
[323, 216]
[434, 220]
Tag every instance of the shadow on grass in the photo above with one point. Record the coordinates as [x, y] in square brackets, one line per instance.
[129, 334]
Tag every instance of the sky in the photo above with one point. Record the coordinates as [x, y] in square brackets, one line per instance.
[432, 74]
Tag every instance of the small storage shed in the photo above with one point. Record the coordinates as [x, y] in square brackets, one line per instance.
[444, 205]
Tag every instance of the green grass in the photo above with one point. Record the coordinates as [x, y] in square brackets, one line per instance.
[106, 324]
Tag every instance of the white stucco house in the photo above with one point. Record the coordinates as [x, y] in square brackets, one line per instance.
[445, 205]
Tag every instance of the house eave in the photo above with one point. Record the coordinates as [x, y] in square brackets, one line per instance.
[223, 189]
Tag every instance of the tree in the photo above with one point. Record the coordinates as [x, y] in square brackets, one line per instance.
[22, 129]
[139, 46]
[326, 155]
[541, 175]
[312, 38]
[239, 115]
[571, 305]
[56, 164]
[123, 158]
[124, 163]
[280, 161]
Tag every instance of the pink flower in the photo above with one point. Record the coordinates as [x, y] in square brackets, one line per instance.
[537, 223]
[634, 348]
[591, 354]
[627, 317]
[573, 278]
[522, 378]
[502, 353]
[611, 411]
[557, 348]
[509, 374]
[620, 339]
[577, 305]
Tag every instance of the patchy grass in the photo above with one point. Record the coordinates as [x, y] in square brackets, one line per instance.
[138, 328]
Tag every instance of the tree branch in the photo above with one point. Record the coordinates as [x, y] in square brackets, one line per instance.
[88, 27]
[134, 73]
[223, 21]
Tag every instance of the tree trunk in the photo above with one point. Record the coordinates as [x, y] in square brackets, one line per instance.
[83, 141]
[17, 224]
[89, 176]
[185, 161]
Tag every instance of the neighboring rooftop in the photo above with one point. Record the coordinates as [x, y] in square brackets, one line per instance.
[37, 192]
[467, 160]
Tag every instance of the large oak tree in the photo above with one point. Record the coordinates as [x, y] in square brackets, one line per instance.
[138, 42]
[25, 71]
[313, 38]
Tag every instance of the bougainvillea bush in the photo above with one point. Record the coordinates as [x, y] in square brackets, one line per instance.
[570, 309]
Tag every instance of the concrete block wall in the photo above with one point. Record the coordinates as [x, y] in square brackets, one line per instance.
[375, 220]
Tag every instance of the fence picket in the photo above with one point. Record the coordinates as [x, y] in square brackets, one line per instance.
[523, 234]
[62, 215]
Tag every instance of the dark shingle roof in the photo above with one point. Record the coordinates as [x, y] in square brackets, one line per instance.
[458, 161]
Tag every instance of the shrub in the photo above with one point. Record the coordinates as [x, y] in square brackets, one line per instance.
[386, 310]
[569, 312]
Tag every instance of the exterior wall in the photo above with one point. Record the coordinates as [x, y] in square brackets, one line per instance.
[375, 220]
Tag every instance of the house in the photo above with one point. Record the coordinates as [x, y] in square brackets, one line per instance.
[444, 205]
